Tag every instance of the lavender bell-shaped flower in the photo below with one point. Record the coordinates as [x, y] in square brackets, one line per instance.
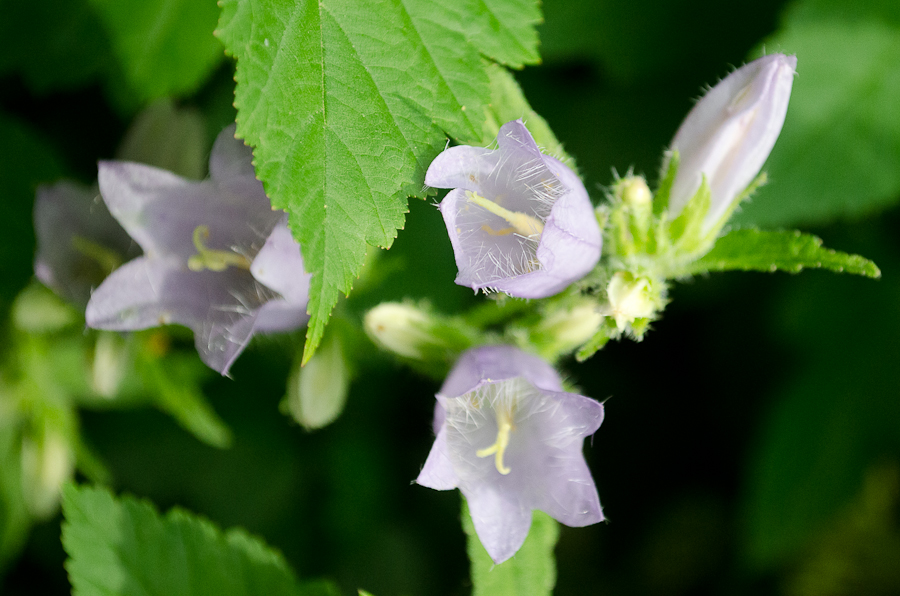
[730, 133]
[510, 439]
[78, 241]
[216, 259]
[520, 221]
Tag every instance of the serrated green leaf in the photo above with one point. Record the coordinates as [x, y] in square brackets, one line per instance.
[756, 250]
[123, 546]
[164, 47]
[346, 103]
[839, 152]
[530, 572]
[506, 32]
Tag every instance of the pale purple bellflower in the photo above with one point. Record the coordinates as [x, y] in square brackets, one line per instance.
[520, 222]
[730, 133]
[78, 242]
[510, 439]
[216, 259]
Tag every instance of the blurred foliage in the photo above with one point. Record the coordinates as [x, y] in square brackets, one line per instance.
[839, 152]
[751, 441]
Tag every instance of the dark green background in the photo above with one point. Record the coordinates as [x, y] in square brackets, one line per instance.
[742, 436]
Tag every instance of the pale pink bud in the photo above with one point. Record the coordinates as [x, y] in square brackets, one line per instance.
[730, 133]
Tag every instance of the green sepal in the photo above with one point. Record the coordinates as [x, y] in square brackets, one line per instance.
[661, 198]
[686, 230]
[593, 345]
[530, 572]
[757, 250]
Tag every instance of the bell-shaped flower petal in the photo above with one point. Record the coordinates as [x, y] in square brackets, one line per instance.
[730, 133]
[510, 439]
[520, 222]
[78, 242]
[217, 258]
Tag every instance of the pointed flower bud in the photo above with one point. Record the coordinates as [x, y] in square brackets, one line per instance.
[729, 134]
[519, 221]
[217, 258]
[510, 439]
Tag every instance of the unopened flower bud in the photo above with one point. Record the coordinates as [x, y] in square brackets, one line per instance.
[111, 358]
[566, 329]
[317, 392]
[729, 134]
[401, 328]
[629, 299]
[635, 192]
[47, 462]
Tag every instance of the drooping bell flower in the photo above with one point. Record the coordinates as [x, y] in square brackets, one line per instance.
[520, 222]
[78, 242]
[216, 259]
[510, 439]
[730, 133]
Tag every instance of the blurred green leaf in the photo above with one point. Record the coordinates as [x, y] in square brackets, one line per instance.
[15, 520]
[530, 572]
[27, 161]
[164, 47]
[839, 152]
[835, 414]
[167, 137]
[175, 381]
[53, 45]
[123, 546]
[343, 137]
[756, 250]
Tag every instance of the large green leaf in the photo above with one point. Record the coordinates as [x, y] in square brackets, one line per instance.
[839, 151]
[530, 572]
[347, 102]
[15, 520]
[164, 47]
[756, 250]
[123, 546]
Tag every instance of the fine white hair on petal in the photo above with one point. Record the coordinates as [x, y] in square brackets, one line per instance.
[519, 221]
[217, 258]
[510, 439]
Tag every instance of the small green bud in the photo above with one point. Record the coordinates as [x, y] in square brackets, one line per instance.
[635, 192]
[111, 360]
[37, 310]
[567, 329]
[47, 462]
[402, 329]
[317, 392]
[629, 298]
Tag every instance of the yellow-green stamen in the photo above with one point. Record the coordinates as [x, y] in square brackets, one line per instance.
[504, 427]
[522, 223]
[214, 260]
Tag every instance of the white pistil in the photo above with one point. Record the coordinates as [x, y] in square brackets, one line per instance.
[504, 427]
[521, 223]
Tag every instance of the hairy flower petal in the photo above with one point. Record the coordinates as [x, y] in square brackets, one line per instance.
[217, 258]
[510, 439]
[519, 221]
